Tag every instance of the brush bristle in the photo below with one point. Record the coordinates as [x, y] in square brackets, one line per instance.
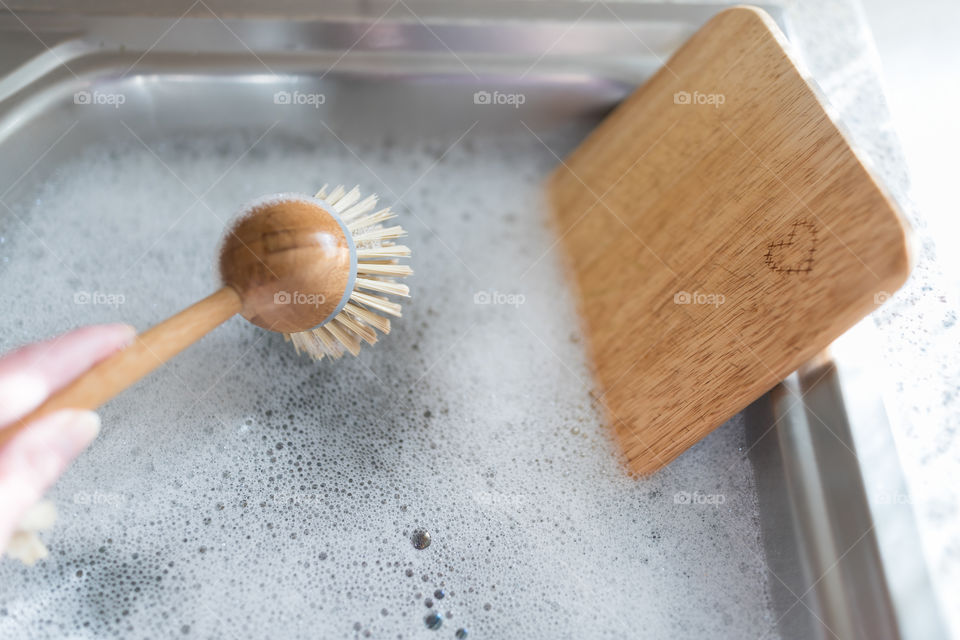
[377, 273]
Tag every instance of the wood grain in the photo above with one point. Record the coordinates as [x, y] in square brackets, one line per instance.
[290, 261]
[720, 231]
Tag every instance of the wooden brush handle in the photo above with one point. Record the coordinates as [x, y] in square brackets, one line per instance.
[148, 351]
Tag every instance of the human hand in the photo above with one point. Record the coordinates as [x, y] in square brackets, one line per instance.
[36, 456]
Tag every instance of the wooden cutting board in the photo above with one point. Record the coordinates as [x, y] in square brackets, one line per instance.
[720, 231]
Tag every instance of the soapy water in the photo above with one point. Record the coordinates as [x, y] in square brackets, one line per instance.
[244, 491]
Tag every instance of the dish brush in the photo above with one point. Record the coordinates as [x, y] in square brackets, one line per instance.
[317, 269]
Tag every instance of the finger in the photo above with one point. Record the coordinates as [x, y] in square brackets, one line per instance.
[31, 373]
[33, 459]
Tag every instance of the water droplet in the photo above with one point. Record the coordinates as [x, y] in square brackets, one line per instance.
[428, 602]
[461, 633]
[433, 621]
[420, 539]
[487, 607]
[438, 594]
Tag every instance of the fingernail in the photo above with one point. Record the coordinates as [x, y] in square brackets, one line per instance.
[19, 394]
[44, 449]
[35, 457]
[75, 430]
[129, 330]
[84, 428]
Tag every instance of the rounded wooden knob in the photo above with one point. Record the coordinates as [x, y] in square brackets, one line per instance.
[292, 262]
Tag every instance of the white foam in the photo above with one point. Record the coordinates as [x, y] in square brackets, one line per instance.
[244, 487]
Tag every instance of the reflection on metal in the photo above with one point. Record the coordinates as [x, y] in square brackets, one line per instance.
[829, 577]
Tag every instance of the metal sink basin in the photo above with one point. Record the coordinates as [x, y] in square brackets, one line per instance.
[442, 74]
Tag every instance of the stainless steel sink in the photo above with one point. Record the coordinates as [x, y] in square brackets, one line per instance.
[411, 70]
